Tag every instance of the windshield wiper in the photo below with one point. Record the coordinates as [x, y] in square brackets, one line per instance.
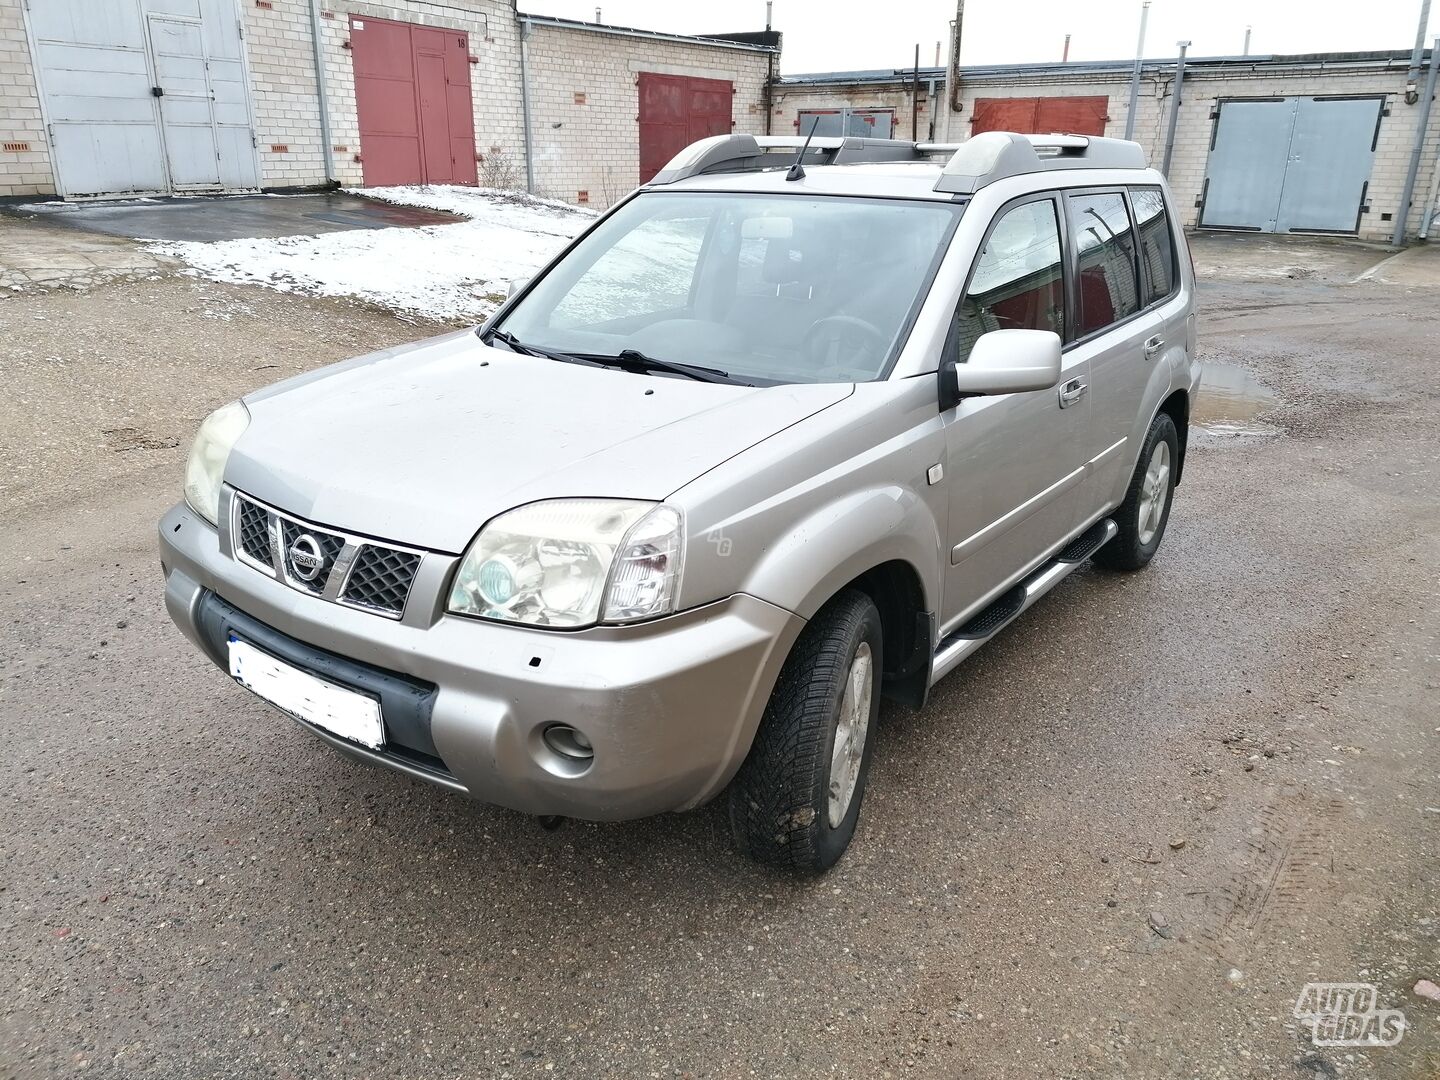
[514, 344]
[510, 341]
[635, 360]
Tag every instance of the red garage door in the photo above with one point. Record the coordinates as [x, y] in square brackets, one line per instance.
[675, 110]
[1041, 115]
[412, 92]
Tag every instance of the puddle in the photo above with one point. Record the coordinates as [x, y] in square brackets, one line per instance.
[1230, 402]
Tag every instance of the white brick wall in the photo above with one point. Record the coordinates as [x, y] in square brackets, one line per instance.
[22, 172]
[595, 147]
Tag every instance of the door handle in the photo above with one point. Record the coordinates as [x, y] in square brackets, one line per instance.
[1072, 392]
[157, 91]
[1153, 346]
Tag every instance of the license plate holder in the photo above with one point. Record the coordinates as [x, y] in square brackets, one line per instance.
[339, 710]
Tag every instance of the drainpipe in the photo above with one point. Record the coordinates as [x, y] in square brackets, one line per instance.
[327, 142]
[525, 106]
[1412, 78]
[915, 98]
[1174, 108]
[1404, 215]
[1135, 75]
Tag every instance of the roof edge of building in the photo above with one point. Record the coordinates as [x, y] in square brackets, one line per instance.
[1392, 58]
[558, 23]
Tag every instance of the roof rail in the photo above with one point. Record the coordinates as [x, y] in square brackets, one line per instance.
[980, 160]
[994, 155]
[745, 153]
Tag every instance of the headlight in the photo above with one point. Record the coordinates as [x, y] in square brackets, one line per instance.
[206, 467]
[573, 562]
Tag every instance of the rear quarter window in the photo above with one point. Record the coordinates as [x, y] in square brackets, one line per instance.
[1157, 243]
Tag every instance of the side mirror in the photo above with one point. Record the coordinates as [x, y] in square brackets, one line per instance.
[1006, 362]
[516, 284]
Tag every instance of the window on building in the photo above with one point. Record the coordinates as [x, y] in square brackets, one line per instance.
[833, 123]
[1157, 244]
[1105, 254]
[1019, 281]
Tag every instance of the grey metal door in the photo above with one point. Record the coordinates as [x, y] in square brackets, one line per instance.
[1291, 164]
[95, 78]
[99, 64]
[178, 48]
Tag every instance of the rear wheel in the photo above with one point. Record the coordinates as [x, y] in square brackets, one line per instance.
[1143, 515]
[796, 800]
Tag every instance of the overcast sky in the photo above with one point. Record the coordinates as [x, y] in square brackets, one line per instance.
[840, 35]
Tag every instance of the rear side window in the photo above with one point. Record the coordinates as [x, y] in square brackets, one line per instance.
[1157, 245]
[1019, 281]
[1105, 258]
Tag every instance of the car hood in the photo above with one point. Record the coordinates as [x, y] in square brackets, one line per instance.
[425, 443]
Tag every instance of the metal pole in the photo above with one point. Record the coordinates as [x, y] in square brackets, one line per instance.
[1247, 42]
[1430, 202]
[1412, 78]
[328, 151]
[915, 98]
[1174, 108]
[1065, 53]
[525, 107]
[1404, 215]
[1135, 75]
[769, 70]
[954, 77]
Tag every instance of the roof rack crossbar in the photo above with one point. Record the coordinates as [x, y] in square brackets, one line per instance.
[980, 160]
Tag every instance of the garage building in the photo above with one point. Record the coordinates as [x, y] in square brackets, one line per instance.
[1315, 144]
[109, 98]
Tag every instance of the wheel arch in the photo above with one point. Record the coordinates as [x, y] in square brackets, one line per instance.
[907, 627]
[1177, 407]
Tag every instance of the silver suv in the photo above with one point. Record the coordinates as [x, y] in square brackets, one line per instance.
[787, 430]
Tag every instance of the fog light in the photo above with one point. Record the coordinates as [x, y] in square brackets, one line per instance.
[568, 742]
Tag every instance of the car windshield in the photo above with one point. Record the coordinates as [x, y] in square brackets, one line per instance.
[766, 289]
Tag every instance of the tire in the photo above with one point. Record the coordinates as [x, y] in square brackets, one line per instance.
[1141, 526]
[780, 801]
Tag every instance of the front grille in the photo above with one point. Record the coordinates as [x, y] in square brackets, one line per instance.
[351, 570]
[255, 532]
[310, 578]
[381, 578]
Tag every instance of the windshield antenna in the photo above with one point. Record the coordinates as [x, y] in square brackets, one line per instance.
[797, 171]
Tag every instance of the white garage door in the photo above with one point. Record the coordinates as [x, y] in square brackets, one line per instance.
[145, 97]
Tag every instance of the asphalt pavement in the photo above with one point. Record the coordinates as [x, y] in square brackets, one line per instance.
[1118, 843]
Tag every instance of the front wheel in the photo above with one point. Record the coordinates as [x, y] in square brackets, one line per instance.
[796, 800]
[1143, 515]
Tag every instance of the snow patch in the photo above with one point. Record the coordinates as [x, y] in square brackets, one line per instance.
[446, 272]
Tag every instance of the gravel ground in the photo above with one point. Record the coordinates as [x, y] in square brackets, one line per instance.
[1116, 844]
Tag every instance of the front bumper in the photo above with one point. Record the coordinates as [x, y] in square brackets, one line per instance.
[670, 706]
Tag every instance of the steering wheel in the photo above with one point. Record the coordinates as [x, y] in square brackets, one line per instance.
[845, 343]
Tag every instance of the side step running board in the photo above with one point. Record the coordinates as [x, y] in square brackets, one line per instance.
[964, 641]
